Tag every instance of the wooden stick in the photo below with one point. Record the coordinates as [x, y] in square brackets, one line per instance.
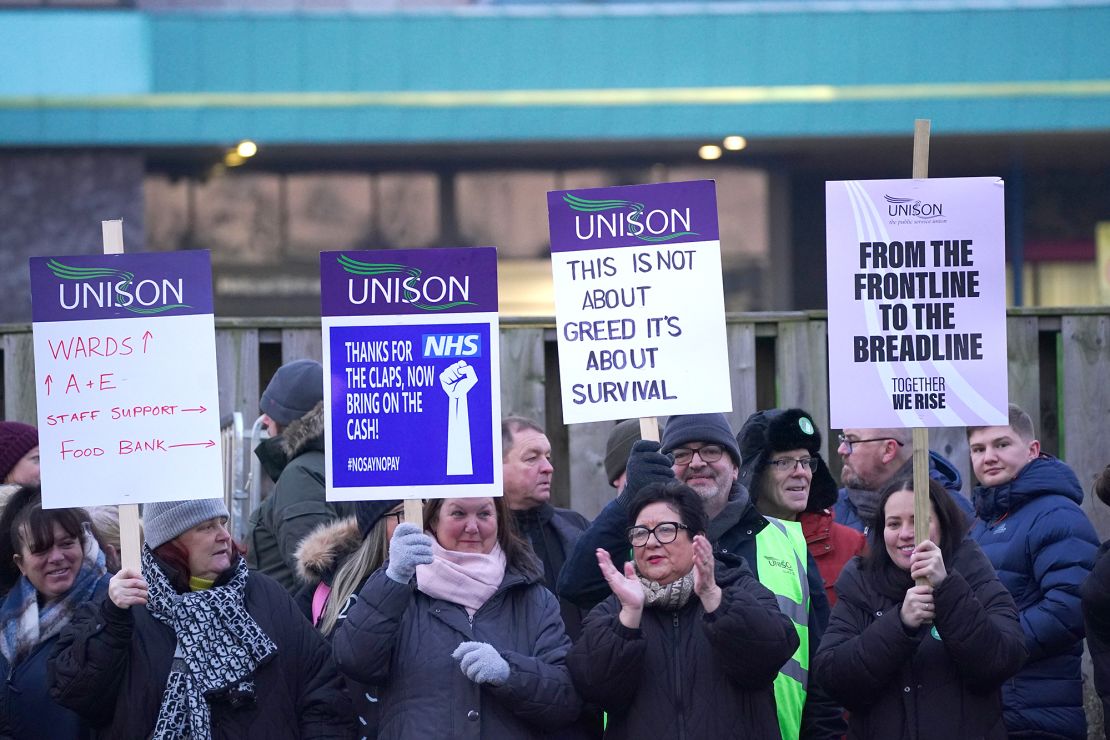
[112, 234]
[414, 512]
[921, 508]
[649, 428]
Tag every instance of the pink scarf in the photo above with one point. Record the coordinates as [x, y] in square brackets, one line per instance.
[464, 578]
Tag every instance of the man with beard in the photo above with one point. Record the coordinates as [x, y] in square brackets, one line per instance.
[874, 457]
[700, 450]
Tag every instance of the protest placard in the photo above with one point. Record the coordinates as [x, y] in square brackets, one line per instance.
[125, 371]
[639, 302]
[917, 302]
[412, 373]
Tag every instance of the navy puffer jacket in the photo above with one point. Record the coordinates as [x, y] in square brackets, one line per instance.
[1043, 546]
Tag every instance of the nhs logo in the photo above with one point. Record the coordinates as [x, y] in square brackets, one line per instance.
[452, 345]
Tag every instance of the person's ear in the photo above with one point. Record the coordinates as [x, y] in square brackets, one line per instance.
[18, 560]
[1034, 449]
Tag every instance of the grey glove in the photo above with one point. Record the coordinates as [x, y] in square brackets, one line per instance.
[409, 548]
[481, 663]
[646, 465]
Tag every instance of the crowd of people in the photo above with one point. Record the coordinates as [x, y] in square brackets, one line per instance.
[729, 589]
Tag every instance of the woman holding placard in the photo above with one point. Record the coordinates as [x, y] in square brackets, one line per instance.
[52, 565]
[197, 646]
[458, 631]
[926, 659]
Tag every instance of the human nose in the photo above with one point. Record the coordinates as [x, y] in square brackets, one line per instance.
[471, 525]
[546, 466]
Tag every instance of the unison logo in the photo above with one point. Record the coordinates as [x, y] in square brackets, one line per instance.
[104, 287]
[392, 283]
[627, 219]
[912, 207]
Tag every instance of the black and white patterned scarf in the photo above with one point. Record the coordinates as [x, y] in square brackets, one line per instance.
[671, 597]
[219, 647]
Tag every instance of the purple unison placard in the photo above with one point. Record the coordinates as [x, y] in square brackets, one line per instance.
[633, 215]
[917, 302]
[413, 373]
[120, 286]
[415, 282]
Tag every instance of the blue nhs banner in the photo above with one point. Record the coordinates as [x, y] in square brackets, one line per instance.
[451, 345]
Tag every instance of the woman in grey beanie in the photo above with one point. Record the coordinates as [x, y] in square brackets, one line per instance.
[241, 661]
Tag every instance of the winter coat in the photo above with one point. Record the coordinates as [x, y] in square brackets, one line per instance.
[927, 683]
[26, 709]
[733, 531]
[564, 527]
[296, 506]
[401, 640]
[940, 470]
[1043, 546]
[832, 545]
[111, 665]
[319, 557]
[1096, 617]
[688, 674]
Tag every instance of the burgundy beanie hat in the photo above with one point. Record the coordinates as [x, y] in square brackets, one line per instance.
[16, 440]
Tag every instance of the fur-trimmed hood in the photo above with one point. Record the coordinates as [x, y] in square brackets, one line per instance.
[304, 433]
[325, 548]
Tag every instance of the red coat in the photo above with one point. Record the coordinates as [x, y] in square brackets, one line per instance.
[832, 545]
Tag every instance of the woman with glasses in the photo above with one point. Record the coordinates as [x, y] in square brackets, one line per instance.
[458, 631]
[687, 646]
[789, 480]
[334, 561]
[923, 636]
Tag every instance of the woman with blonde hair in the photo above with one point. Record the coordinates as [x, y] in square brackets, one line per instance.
[334, 561]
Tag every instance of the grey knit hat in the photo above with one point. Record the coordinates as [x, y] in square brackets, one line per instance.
[293, 391]
[706, 428]
[617, 447]
[164, 520]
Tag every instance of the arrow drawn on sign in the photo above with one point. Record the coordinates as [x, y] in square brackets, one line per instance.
[206, 445]
[146, 336]
[201, 410]
[48, 381]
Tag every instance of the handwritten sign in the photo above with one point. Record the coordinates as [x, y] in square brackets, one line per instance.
[412, 371]
[125, 369]
[639, 301]
[917, 302]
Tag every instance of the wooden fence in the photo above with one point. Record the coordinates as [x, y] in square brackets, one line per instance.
[1059, 370]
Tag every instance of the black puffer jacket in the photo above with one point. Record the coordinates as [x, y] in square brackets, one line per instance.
[401, 640]
[1096, 615]
[688, 674]
[924, 684]
[111, 664]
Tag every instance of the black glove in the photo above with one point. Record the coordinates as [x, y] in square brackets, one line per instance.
[646, 465]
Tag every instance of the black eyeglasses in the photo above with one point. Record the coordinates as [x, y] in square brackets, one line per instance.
[848, 442]
[708, 454]
[399, 514]
[787, 464]
[665, 533]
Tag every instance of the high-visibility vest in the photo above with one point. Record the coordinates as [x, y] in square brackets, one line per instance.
[781, 557]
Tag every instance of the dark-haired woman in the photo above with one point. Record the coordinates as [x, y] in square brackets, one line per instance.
[921, 661]
[196, 646]
[459, 633]
[52, 565]
[686, 646]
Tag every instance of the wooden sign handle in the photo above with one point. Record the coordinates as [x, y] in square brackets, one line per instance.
[921, 508]
[414, 512]
[112, 233]
[649, 428]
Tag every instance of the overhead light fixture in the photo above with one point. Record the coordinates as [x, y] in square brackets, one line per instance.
[233, 159]
[246, 148]
[709, 151]
[735, 143]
